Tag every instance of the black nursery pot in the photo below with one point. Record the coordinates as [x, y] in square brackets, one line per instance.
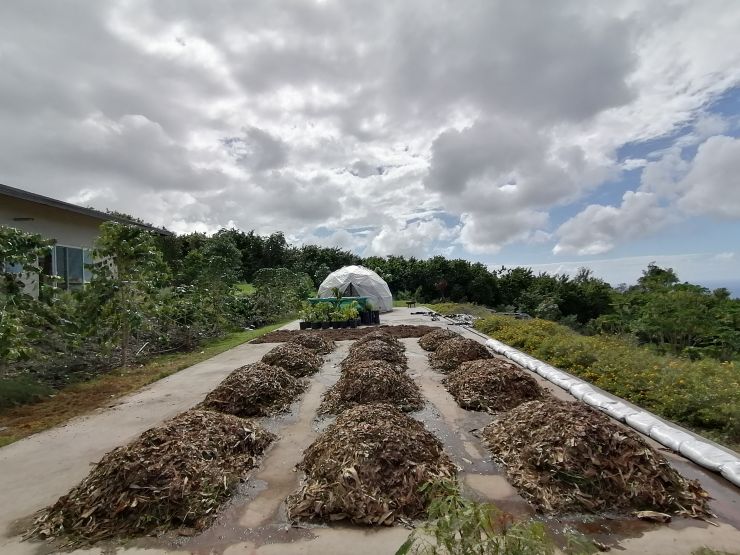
[364, 317]
[315, 325]
[376, 316]
[352, 323]
[325, 325]
[304, 325]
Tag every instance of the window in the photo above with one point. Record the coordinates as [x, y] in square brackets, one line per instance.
[69, 264]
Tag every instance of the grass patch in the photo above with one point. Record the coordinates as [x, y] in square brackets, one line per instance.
[247, 288]
[75, 400]
[461, 308]
[21, 390]
[703, 395]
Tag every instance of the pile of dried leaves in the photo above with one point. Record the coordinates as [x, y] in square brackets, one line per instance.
[367, 467]
[174, 476]
[254, 390]
[347, 334]
[565, 457]
[318, 344]
[434, 339]
[380, 335]
[372, 381]
[492, 385]
[296, 359]
[375, 350]
[452, 353]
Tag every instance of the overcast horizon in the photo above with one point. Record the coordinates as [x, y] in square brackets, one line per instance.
[554, 135]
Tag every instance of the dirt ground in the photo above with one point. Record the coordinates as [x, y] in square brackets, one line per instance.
[37, 470]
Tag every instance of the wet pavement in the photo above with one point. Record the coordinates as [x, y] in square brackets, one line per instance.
[255, 522]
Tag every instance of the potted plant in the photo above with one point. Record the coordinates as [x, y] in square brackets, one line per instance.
[322, 315]
[351, 313]
[335, 317]
[305, 315]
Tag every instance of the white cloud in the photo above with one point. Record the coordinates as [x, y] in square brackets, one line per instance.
[712, 185]
[598, 228]
[290, 115]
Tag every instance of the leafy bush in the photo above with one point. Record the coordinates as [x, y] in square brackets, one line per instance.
[459, 526]
[702, 394]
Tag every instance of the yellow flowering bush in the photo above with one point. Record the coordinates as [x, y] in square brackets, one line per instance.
[703, 394]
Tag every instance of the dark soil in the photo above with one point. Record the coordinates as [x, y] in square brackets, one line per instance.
[348, 334]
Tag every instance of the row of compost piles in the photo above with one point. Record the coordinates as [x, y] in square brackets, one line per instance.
[561, 456]
[177, 475]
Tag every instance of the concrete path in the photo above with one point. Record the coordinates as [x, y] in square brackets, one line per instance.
[36, 470]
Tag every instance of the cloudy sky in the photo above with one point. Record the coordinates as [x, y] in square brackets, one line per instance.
[552, 134]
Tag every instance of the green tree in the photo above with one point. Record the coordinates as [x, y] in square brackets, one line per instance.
[128, 271]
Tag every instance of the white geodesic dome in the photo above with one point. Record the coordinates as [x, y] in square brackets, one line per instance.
[358, 281]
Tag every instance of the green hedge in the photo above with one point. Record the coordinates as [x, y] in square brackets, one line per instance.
[703, 395]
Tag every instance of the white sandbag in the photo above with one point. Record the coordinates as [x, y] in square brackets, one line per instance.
[642, 422]
[580, 389]
[496, 345]
[547, 371]
[731, 471]
[669, 436]
[518, 358]
[619, 411]
[706, 455]
[564, 380]
[597, 400]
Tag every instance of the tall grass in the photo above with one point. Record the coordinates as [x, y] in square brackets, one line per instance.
[703, 395]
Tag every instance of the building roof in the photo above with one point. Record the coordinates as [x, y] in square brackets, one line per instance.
[13, 192]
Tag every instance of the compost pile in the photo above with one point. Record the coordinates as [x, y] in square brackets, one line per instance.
[296, 359]
[434, 339]
[347, 334]
[372, 381]
[452, 353]
[565, 457]
[380, 335]
[375, 350]
[491, 385]
[367, 467]
[173, 476]
[313, 341]
[254, 390]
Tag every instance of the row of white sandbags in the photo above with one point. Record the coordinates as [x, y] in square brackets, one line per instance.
[701, 452]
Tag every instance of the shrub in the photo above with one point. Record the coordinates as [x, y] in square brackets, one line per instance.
[702, 394]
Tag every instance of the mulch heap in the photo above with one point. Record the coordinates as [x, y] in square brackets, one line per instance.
[491, 385]
[452, 353]
[347, 334]
[175, 476]
[566, 457]
[367, 467]
[372, 381]
[380, 335]
[318, 344]
[254, 390]
[434, 339]
[375, 350]
[296, 359]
